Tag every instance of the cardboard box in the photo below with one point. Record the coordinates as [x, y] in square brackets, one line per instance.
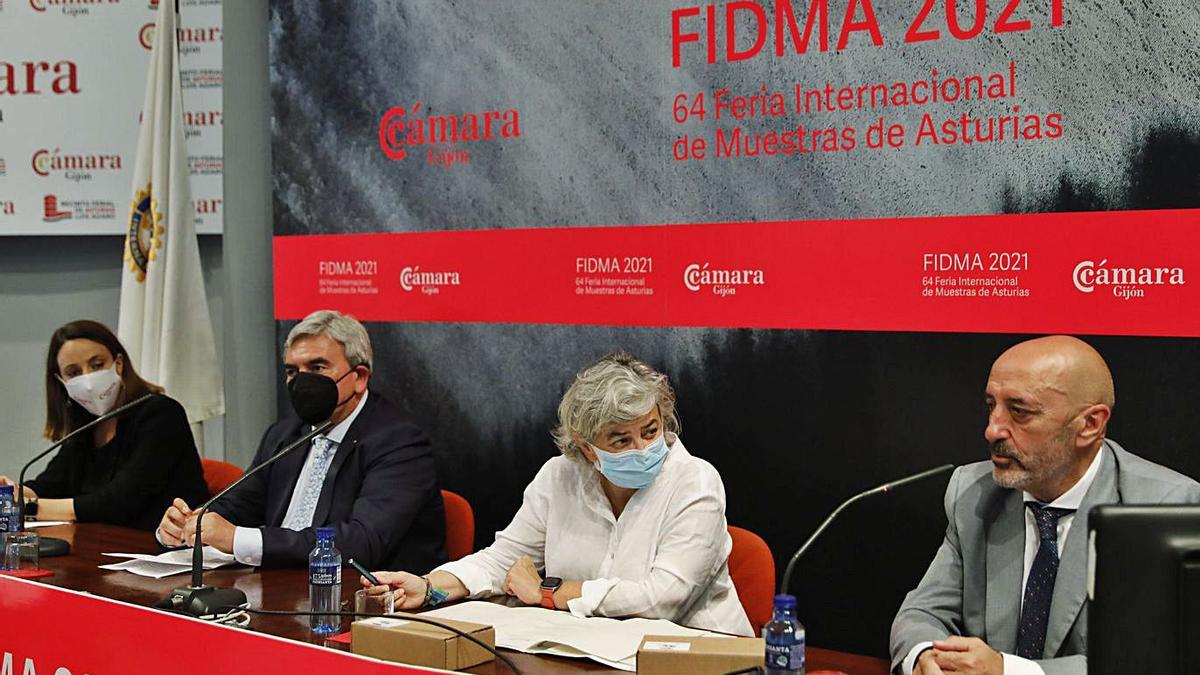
[421, 644]
[709, 655]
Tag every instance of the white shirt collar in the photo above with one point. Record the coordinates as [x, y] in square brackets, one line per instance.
[338, 432]
[1071, 499]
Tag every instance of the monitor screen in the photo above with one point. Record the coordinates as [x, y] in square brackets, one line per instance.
[1144, 590]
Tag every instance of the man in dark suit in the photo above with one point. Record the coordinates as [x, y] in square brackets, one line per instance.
[371, 477]
[1006, 592]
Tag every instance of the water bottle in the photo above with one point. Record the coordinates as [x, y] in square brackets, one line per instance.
[10, 519]
[325, 583]
[785, 639]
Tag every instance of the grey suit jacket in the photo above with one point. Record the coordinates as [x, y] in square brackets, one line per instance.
[973, 586]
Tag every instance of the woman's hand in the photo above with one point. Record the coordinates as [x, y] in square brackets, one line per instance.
[408, 590]
[524, 582]
[30, 495]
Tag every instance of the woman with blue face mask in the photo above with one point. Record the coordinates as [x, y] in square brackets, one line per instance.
[624, 523]
[127, 469]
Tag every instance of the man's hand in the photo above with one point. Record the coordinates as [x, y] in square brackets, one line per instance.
[216, 532]
[927, 665]
[170, 529]
[524, 582]
[971, 656]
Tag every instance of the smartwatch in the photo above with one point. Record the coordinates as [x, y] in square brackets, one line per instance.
[549, 585]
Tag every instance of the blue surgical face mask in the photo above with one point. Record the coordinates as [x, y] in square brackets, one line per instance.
[633, 469]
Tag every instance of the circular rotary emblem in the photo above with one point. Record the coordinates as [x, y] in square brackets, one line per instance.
[144, 235]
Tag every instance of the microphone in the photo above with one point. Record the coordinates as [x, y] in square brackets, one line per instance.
[882, 489]
[50, 546]
[200, 600]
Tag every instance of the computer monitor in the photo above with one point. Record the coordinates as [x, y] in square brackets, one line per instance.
[1144, 590]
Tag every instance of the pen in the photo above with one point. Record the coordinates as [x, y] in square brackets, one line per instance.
[365, 572]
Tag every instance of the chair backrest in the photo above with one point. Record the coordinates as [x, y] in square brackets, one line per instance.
[219, 475]
[460, 525]
[752, 569]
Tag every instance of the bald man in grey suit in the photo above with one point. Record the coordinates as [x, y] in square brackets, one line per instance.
[1005, 592]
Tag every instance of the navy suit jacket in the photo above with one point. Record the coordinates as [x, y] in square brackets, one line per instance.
[381, 495]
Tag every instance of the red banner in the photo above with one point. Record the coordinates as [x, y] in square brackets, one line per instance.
[1118, 273]
[54, 630]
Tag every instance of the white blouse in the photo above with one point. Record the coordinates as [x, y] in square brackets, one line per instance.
[664, 558]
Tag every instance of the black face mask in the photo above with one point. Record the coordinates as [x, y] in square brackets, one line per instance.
[315, 397]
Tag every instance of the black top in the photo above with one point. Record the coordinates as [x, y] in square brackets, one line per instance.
[380, 494]
[132, 479]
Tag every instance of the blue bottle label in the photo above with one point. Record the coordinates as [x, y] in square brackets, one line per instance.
[324, 575]
[786, 656]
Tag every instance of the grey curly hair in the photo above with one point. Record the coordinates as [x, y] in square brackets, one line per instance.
[617, 389]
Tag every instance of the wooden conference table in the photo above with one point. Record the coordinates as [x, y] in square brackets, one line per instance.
[288, 590]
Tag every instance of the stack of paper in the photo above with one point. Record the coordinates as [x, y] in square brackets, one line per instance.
[534, 630]
[166, 564]
[34, 524]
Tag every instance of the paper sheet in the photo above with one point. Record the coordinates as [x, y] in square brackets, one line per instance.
[166, 564]
[535, 630]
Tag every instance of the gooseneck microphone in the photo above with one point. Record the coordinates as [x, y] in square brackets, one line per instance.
[49, 546]
[886, 487]
[198, 599]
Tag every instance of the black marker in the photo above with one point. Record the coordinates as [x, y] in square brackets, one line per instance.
[366, 574]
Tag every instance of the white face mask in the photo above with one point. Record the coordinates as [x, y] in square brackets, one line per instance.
[97, 392]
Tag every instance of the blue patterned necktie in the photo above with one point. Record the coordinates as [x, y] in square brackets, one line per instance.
[1039, 589]
[323, 450]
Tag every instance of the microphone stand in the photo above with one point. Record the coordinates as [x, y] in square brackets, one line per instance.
[49, 546]
[886, 487]
[200, 600]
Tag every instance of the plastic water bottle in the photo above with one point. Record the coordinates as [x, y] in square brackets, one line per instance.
[10, 519]
[325, 583]
[785, 639]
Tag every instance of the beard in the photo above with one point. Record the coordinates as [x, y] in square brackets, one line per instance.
[1042, 466]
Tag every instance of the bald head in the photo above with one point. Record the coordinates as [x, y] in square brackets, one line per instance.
[1062, 364]
[1049, 401]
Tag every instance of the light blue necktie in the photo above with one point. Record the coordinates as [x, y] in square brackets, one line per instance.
[323, 450]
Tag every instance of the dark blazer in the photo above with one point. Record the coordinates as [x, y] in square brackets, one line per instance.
[973, 585]
[381, 495]
[132, 479]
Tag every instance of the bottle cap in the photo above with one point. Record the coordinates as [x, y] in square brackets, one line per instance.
[324, 533]
[785, 602]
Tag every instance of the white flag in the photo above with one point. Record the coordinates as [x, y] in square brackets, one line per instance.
[164, 320]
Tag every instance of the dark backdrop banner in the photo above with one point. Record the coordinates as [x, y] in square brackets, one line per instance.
[822, 218]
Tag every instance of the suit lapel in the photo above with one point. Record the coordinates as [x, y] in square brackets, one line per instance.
[284, 475]
[1005, 566]
[1070, 586]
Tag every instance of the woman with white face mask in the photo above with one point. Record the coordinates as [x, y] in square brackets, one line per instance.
[127, 470]
[624, 523]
